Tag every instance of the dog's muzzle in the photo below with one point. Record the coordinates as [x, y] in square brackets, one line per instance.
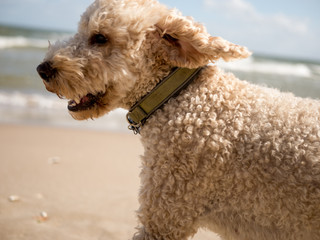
[46, 71]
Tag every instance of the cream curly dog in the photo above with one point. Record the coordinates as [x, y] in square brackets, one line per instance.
[224, 154]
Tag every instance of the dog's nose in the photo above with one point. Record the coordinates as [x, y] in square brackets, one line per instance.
[46, 71]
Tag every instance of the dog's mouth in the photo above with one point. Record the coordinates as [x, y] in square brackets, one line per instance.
[85, 103]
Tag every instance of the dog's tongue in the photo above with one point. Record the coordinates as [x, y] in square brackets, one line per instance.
[85, 99]
[85, 102]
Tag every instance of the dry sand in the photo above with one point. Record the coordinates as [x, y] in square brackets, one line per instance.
[69, 184]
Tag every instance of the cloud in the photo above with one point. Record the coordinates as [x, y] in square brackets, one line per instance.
[234, 7]
[274, 33]
[292, 25]
[242, 10]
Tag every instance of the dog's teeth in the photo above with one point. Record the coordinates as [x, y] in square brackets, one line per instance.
[72, 103]
[77, 100]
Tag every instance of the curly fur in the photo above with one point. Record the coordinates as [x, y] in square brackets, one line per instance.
[239, 159]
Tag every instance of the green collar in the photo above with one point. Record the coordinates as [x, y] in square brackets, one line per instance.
[171, 85]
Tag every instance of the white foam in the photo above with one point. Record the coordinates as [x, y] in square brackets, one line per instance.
[19, 41]
[23, 100]
[268, 67]
[19, 107]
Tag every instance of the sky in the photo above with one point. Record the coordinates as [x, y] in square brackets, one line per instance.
[284, 28]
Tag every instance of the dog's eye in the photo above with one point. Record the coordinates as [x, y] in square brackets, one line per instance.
[170, 39]
[98, 39]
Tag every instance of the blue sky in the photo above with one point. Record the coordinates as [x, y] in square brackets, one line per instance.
[289, 28]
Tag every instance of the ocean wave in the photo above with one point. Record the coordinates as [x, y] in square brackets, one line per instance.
[315, 69]
[35, 108]
[31, 42]
[268, 67]
[22, 42]
[33, 100]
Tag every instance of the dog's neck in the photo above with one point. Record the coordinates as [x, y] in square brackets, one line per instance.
[147, 80]
[170, 86]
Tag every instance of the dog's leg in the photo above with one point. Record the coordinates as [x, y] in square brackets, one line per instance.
[142, 234]
[169, 227]
[167, 213]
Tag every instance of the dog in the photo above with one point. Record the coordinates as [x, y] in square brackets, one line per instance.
[220, 153]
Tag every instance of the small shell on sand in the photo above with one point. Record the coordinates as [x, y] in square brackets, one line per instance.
[54, 160]
[39, 196]
[43, 216]
[14, 198]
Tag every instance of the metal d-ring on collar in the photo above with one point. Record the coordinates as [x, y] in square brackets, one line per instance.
[171, 85]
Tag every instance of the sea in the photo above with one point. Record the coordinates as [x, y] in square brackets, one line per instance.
[24, 99]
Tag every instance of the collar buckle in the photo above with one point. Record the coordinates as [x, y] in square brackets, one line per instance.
[133, 126]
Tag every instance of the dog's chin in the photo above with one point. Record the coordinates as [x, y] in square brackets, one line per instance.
[94, 112]
[86, 114]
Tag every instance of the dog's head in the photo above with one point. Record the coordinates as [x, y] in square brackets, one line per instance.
[122, 49]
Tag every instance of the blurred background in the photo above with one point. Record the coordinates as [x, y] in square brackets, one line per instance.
[284, 36]
[87, 181]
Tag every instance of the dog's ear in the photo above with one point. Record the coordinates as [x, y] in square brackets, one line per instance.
[189, 45]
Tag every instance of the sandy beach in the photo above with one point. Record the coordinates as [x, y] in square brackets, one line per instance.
[72, 184]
